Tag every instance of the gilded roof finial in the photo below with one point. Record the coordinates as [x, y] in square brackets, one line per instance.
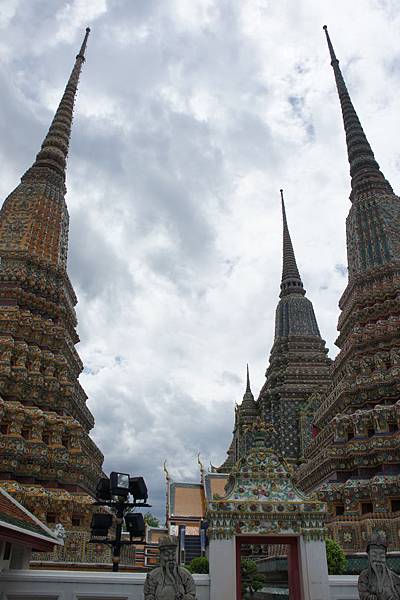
[202, 469]
[167, 477]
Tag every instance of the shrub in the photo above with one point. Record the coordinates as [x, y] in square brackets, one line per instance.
[151, 520]
[336, 558]
[252, 580]
[198, 565]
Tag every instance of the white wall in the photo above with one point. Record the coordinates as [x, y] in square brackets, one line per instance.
[79, 585]
[314, 570]
[221, 556]
[343, 587]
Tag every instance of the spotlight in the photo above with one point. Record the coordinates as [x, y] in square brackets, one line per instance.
[115, 493]
[119, 484]
[138, 488]
[135, 524]
[103, 489]
[100, 524]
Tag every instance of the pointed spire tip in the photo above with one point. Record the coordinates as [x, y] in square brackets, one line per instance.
[364, 169]
[291, 281]
[53, 153]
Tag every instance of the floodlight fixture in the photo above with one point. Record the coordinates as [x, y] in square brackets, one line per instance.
[119, 484]
[135, 524]
[100, 524]
[138, 488]
[114, 492]
[103, 489]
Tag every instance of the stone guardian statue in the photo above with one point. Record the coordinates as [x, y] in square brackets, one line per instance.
[377, 581]
[169, 581]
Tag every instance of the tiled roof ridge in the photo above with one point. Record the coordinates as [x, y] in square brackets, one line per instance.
[30, 522]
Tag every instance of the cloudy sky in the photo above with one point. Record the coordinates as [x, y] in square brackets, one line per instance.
[191, 114]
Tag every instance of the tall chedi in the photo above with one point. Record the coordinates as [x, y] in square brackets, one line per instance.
[47, 459]
[246, 415]
[354, 461]
[298, 370]
[297, 375]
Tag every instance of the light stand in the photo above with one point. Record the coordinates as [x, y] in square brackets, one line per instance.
[114, 494]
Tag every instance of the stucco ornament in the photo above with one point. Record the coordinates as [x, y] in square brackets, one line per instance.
[378, 582]
[59, 531]
[169, 581]
[261, 498]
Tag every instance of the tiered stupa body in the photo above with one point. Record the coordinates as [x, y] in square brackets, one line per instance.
[354, 461]
[298, 368]
[297, 374]
[47, 459]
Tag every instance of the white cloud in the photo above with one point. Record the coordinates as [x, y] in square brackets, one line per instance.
[189, 119]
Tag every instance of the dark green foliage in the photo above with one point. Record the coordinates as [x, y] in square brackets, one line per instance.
[252, 580]
[337, 561]
[151, 520]
[198, 565]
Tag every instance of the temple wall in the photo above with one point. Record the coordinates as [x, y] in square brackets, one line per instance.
[343, 587]
[67, 585]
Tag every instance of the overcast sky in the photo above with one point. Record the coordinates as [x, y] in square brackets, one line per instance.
[190, 115]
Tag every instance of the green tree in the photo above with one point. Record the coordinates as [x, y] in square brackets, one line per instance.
[252, 580]
[151, 520]
[198, 565]
[336, 558]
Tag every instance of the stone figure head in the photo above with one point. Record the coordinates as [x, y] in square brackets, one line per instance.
[377, 547]
[168, 546]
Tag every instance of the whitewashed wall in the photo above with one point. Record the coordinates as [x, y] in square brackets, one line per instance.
[79, 585]
[343, 587]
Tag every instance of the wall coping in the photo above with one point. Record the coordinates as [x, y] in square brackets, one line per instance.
[86, 576]
[343, 579]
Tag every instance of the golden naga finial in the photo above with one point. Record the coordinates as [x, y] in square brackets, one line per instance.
[202, 469]
[212, 469]
[199, 462]
[167, 477]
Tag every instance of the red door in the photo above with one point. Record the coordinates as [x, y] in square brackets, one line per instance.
[293, 560]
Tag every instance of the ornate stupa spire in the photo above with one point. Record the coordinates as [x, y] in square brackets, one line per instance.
[34, 217]
[248, 407]
[298, 363]
[294, 313]
[298, 366]
[291, 281]
[53, 153]
[248, 388]
[364, 169]
[40, 392]
[364, 375]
